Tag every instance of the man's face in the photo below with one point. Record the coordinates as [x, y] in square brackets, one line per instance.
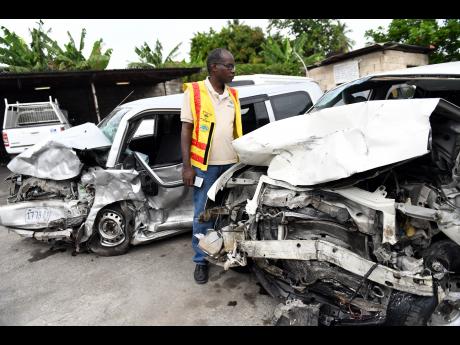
[224, 70]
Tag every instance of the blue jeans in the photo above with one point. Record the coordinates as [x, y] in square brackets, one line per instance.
[199, 200]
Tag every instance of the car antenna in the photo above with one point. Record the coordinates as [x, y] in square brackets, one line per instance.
[124, 99]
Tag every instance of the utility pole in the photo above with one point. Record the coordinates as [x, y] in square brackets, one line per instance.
[95, 102]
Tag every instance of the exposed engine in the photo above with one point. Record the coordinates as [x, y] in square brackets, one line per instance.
[55, 209]
[379, 248]
[32, 188]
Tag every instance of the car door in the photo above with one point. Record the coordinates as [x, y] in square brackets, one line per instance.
[152, 146]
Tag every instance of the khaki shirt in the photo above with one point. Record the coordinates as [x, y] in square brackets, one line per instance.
[221, 151]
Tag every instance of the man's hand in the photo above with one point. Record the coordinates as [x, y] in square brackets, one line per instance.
[188, 175]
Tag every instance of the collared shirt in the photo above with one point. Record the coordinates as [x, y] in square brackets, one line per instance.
[221, 150]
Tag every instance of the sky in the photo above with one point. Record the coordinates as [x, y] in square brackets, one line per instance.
[122, 35]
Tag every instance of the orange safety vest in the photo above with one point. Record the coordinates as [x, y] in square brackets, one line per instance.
[204, 120]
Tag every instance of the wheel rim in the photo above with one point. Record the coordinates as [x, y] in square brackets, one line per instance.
[111, 229]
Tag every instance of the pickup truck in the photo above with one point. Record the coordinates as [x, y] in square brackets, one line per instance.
[26, 123]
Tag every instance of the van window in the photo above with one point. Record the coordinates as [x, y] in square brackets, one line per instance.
[290, 104]
[253, 116]
[241, 83]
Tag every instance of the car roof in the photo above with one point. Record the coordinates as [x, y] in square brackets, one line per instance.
[440, 69]
[273, 78]
[175, 101]
[447, 68]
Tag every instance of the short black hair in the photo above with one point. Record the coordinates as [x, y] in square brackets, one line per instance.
[215, 56]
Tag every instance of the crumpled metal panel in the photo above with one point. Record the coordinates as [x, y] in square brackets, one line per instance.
[338, 142]
[37, 214]
[110, 186]
[54, 157]
[55, 161]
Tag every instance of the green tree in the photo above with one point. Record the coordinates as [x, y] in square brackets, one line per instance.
[243, 41]
[443, 36]
[72, 57]
[19, 56]
[323, 36]
[45, 54]
[153, 58]
[279, 49]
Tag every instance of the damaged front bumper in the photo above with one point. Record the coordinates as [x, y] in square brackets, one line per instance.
[43, 220]
[44, 235]
[325, 251]
[43, 214]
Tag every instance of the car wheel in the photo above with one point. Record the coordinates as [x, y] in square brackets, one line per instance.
[111, 232]
[405, 309]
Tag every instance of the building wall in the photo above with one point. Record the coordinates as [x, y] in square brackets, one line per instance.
[381, 61]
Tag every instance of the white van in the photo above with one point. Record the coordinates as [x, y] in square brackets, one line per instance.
[24, 124]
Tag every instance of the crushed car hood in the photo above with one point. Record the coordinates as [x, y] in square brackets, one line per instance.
[335, 143]
[54, 157]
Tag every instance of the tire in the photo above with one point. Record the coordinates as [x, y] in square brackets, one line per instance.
[405, 309]
[411, 310]
[446, 252]
[111, 235]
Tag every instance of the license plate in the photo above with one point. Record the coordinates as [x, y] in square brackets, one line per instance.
[37, 215]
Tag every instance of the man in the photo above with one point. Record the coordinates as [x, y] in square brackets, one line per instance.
[211, 119]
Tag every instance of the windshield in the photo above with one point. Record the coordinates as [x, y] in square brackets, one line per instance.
[333, 96]
[109, 125]
[380, 88]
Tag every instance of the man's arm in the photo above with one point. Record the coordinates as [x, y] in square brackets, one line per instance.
[188, 174]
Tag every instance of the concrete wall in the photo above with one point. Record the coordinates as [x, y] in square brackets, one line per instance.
[381, 61]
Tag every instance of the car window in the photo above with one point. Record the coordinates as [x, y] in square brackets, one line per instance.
[241, 83]
[401, 91]
[290, 104]
[157, 137]
[253, 116]
[145, 128]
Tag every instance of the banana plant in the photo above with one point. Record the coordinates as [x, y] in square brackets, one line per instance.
[153, 58]
[45, 54]
[282, 50]
[19, 56]
[72, 57]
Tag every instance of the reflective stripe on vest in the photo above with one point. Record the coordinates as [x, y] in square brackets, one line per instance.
[204, 121]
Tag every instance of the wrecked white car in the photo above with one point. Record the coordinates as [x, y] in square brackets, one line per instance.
[119, 183]
[353, 209]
